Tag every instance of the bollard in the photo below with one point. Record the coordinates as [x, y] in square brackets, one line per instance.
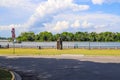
[39, 47]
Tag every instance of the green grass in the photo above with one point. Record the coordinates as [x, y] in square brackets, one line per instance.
[5, 75]
[92, 52]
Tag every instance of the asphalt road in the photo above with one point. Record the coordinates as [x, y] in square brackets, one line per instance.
[64, 67]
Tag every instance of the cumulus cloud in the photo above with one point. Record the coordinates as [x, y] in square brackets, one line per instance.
[111, 1]
[9, 27]
[97, 22]
[90, 22]
[45, 10]
[86, 24]
[81, 24]
[18, 27]
[24, 4]
[63, 25]
[62, 15]
[57, 26]
[104, 1]
[54, 6]
[98, 1]
[76, 24]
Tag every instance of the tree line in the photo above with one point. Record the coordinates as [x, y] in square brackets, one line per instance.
[68, 36]
[3, 38]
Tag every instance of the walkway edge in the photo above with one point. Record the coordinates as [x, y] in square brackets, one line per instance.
[15, 76]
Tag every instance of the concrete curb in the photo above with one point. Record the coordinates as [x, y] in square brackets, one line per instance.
[15, 76]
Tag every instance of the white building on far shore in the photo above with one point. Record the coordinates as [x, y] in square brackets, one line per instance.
[4, 40]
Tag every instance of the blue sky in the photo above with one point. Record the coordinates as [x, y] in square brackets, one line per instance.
[57, 16]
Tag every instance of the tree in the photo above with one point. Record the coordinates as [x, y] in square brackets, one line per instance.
[26, 36]
[93, 36]
[56, 36]
[68, 36]
[45, 36]
[81, 36]
[117, 37]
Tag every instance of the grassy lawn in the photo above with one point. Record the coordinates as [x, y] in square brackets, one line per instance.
[92, 52]
[5, 75]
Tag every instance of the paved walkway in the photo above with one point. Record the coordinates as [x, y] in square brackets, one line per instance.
[65, 67]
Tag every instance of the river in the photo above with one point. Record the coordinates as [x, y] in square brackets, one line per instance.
[65, 44]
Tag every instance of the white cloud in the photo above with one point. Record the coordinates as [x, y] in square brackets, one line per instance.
[100, 26]
[63, 25]
[9, 27]
[54, 6]
[44, 10]
[57, 27]
[79, 7]
[98, 1]
[18, 28]
[21, 4]
[111, 1]
[86, 22]
[76, 24]
[104, 1]
[63, 15]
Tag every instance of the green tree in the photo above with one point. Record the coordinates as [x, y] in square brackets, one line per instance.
[56, 36]
[93, 36]
[45, 36]
[81, 36]
[67, 36]
[26, 36]
[117, 37]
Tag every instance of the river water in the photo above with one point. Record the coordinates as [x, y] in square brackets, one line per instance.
[65, 44]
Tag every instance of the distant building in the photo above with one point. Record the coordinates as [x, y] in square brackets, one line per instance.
[4, 40]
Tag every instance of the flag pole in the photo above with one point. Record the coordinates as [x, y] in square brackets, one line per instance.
[13, 47]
